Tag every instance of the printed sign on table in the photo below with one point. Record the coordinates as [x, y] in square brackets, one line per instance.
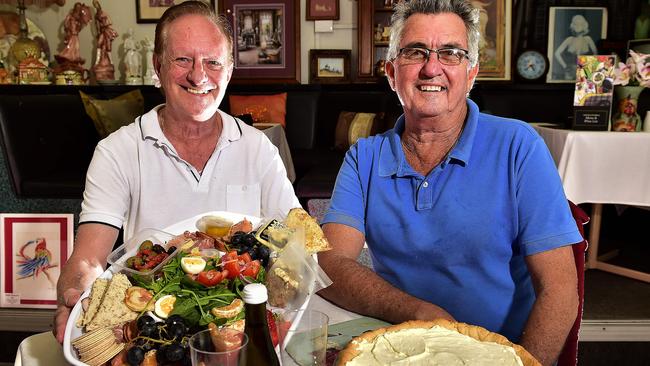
[592, 99]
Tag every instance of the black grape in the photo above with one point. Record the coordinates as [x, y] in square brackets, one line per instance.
[134, 356]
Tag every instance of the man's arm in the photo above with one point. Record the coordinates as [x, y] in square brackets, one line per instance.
[556, 286]
[357, 288]
[88, 260]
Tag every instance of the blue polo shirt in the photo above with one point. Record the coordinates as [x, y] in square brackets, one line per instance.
[458, 236]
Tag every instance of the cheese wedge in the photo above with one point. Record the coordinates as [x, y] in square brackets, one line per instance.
[315, 240]
[113, 310]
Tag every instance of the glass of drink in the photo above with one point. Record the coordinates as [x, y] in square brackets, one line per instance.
[222, 347]
[303, 337]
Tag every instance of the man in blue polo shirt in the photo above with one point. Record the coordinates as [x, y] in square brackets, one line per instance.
[463, 212]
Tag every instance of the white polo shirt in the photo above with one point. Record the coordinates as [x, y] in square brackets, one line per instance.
[137, 180]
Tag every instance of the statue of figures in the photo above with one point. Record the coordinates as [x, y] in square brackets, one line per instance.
[132, 59]
[78, 18]
[103, 68]
[150, 72]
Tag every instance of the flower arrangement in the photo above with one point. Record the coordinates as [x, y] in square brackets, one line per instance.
[634, 72]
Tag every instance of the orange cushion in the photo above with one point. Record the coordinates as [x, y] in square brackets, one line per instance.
[264, 108]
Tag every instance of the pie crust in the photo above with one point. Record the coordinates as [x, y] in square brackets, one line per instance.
[479, 333]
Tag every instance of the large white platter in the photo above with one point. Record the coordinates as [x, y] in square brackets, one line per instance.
[71, 330]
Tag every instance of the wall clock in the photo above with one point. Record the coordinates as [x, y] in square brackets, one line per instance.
[531, 65]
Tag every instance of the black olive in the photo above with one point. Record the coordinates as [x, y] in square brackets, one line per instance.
[171, 250]
[158, 249]
[134, 356]
[250, 240]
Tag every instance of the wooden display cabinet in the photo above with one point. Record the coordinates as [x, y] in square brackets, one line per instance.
[373, 17]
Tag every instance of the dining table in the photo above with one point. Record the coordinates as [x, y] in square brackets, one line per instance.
[42, 349]
[601, 167]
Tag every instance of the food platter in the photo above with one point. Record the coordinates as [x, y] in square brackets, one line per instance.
[72, 331]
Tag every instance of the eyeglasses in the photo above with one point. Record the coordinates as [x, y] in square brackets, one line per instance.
[449, 56]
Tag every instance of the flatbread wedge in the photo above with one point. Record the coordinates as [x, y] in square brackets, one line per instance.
[315, 240]
[113, 310]
[96, 294]
[353, 349]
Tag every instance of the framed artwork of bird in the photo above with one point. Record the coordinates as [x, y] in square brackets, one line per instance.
[33, 248]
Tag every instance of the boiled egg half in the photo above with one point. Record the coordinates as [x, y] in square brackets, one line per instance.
[164, 306]
[192, 265]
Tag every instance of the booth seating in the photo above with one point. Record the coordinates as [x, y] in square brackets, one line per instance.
[48, 139]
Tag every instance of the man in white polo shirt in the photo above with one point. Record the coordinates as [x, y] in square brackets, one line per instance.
[179, 159]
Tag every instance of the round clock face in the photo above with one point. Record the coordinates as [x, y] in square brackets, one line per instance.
[531, 65]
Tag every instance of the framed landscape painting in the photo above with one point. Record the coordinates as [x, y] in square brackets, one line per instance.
[329, 66]
[149, 11]
[33, 249]
[495, 18]
[266, 34]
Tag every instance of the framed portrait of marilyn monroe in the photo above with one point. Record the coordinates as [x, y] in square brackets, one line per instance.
[495, 18]
[573, 31]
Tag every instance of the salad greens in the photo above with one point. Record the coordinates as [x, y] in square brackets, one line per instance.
[193, 300]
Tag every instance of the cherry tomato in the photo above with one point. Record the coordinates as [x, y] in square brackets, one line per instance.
[210, 278]
[245, 257]
[230, 263]
[251, 269]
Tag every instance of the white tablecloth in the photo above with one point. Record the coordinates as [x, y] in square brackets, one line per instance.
[601, 167]
[277, 136]
[43, 349]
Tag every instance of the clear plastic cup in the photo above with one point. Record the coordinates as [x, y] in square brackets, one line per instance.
[229, 350]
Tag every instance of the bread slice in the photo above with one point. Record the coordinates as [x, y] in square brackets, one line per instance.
[353, 349]
[96, 295]
[113, 310]
[315, 240]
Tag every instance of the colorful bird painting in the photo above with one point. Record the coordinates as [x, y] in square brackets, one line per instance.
[41, 262]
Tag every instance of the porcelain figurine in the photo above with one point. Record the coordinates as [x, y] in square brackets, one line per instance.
[78, 18]
[103, 69]
[148, 45]
[132, 59]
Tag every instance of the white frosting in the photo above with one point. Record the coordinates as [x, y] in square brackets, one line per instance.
[432, 346]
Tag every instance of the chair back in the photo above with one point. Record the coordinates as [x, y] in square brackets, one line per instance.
[569, 354]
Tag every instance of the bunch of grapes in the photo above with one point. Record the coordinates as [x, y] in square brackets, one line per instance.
[246, 242]
[168, 338]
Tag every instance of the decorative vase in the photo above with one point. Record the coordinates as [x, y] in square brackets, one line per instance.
[626, 118]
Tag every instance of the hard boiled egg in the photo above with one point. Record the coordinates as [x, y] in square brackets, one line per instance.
[192, 265]
[164, 306]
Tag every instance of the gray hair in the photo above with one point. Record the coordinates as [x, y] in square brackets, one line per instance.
[463, 8]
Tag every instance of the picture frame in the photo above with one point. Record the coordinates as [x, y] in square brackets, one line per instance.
[495, 45]
[568, 27]
[329, 66]
[637, 45]
[323, 10]
[266, 40]
[149, 11]
[33, 249]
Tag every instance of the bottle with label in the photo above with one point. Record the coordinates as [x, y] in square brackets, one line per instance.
[260, 350]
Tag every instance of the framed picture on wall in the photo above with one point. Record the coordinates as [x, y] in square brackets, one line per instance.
[323, 10]
[149, 11]
[573, 31]
[33, 249]
[329, 66]
[495, 44]
[266, 39]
